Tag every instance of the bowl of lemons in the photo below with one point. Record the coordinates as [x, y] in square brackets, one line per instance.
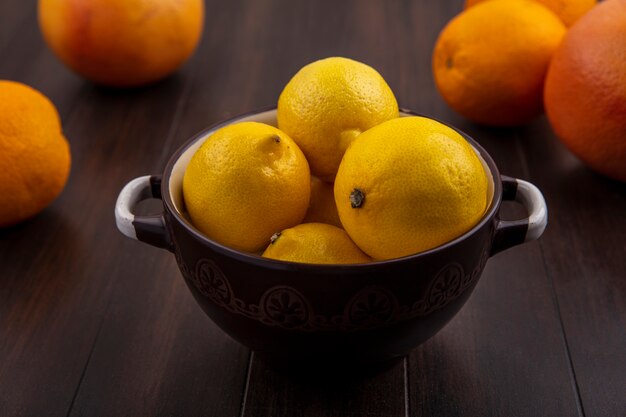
[335, 225]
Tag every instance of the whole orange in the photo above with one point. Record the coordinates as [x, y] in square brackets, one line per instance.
[569, 11]
[585, 94]
[34, 154]
[490, 61]
[122, 43]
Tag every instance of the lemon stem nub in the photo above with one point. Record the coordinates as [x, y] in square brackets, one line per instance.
[357, 198]
[274, 238]
[276, 138]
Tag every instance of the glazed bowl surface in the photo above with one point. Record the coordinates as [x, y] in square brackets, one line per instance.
[293, 311]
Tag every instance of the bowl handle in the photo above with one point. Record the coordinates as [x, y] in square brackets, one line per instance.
[514, 232]
[149, 229]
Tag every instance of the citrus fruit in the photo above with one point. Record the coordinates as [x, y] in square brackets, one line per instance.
[490, 61]
[122, 43]
[34, 154]
[315, 243]
[569, 11]
[322, 208]
[327, 104]
[585, 93]
[245, 182]
[409, 185]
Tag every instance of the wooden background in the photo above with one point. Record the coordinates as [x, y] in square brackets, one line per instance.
[95, 324]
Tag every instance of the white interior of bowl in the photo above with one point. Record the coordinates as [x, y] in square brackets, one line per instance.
[268, 117]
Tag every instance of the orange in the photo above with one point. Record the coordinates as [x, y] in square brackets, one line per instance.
[122, 43]
[409, 185]
[315, 243]
[327, 104]
[245, 182]
[322, 208]
[569, 11]
[34, 154]
[585, 94]
[490, 61]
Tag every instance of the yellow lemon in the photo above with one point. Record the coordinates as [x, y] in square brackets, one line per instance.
[322, 207]
[409, 185]
[315, 243]
[327, 104]
[246, 181]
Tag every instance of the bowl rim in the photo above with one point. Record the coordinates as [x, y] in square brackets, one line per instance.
[298, 266]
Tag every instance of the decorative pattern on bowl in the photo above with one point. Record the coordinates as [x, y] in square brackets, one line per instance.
[371, 307]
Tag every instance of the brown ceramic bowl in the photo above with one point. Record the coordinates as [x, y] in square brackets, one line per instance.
[364, 312]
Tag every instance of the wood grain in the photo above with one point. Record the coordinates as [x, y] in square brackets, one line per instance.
[584, 253]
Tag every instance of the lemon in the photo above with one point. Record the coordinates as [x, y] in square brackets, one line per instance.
[409, 185]
[315, 243]
[327, 104]
[322, 207]
[246, 181]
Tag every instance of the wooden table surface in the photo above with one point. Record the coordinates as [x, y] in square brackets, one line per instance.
[95, 324]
